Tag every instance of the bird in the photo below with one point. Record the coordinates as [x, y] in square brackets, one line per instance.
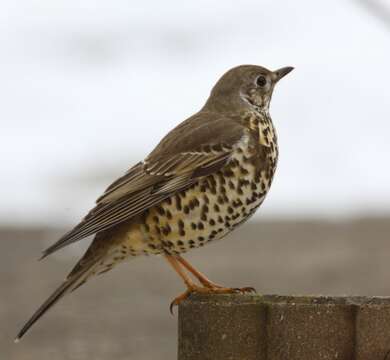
[206, 177]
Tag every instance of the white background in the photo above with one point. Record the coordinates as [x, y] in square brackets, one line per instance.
[88, 88]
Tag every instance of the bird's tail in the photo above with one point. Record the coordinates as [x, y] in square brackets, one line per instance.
[72, 282]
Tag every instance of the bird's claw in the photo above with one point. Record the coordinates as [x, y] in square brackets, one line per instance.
[247, 289]
[176, 301]
[209, 290]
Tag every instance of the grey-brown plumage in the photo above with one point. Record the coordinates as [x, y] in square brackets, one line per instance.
[206, 177]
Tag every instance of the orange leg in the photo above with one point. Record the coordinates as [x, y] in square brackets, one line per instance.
[176, 266]
[201, 277]
[208, 286]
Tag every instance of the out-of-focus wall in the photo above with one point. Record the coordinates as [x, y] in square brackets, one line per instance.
[124, 313]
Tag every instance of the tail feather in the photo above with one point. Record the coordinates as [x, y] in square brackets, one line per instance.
[73, 281]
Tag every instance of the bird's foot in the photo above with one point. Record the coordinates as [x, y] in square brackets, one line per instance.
[210, 288]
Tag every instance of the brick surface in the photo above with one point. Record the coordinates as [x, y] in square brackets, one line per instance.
[373, 332]
[303, 331]
[246, 327]
[225, 328]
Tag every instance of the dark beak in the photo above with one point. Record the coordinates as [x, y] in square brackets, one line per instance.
[283, 72]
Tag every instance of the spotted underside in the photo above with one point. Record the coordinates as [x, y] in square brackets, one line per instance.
[212, 207]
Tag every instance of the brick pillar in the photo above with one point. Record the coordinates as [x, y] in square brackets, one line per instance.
[270, 327]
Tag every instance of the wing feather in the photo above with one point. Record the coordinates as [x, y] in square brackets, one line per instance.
[172, 167]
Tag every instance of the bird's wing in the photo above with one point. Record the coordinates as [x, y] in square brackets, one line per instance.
[194, 149]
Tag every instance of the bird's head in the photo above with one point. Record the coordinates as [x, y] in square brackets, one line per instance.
[245, 86]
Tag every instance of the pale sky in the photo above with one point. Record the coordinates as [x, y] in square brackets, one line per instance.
[90, 87]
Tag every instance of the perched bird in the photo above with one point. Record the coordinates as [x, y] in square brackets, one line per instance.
[206, 177]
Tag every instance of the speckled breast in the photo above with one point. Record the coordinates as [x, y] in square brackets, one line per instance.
[217, 204]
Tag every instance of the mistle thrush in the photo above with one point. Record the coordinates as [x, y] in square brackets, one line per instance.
[206, 177]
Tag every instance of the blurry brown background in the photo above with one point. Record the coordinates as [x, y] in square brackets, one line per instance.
[88, 88]
[124, 313]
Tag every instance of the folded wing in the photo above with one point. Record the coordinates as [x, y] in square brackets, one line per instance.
[196, 148]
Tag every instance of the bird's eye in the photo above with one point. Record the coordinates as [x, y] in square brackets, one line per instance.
[261, 81]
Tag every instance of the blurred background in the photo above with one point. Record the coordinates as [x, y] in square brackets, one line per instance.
[90, 87]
